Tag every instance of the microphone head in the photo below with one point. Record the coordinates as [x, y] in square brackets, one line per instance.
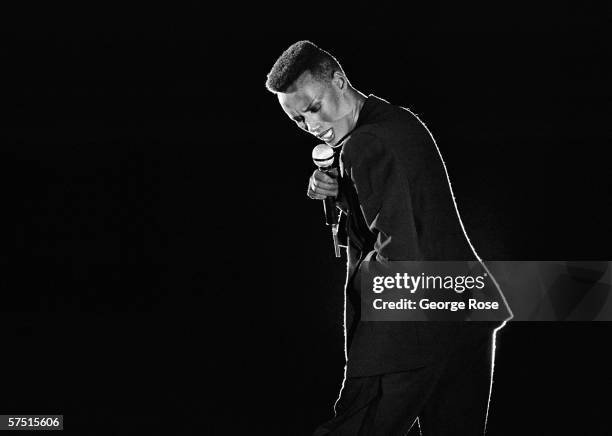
[323, 155]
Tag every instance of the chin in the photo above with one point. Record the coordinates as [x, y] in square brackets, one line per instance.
[336, 139]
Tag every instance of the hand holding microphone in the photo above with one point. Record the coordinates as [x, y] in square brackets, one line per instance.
[321, 186]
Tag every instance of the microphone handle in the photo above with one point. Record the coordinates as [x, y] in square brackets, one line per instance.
[329, 204]
[331, 212]
[331, 219]
[332, 215]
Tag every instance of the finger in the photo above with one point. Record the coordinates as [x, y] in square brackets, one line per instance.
[322, 190]
[326, 192]
[311, 185]
[323, 177]
[325, 185]
[322, 186]
[320, 194]
[316, 196]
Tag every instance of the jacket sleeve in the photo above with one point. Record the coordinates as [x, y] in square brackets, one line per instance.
[384, 197]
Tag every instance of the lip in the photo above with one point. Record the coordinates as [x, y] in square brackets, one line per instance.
[324, 134]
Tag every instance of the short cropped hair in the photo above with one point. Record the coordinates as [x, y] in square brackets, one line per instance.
[301, 57]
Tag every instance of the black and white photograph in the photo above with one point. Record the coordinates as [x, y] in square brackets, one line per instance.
[369, 219]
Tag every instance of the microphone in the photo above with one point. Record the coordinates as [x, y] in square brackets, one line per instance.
[323, 157]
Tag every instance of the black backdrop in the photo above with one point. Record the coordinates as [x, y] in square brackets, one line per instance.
[163, 271]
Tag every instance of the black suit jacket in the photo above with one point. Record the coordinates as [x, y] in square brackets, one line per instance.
[398, 206]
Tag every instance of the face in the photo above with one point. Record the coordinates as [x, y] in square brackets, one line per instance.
[320, 108]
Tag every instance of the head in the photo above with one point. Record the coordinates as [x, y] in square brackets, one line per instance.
[314, 92]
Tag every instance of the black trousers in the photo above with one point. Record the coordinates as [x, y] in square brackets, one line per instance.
[449, 397]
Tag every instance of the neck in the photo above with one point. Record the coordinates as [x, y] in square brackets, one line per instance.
[356, 100]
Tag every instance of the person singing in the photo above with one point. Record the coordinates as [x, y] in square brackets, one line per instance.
[397, 205]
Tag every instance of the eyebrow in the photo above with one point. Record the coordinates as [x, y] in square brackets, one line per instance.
[299, 117]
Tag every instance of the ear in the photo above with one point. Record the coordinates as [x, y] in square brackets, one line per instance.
[339, 80]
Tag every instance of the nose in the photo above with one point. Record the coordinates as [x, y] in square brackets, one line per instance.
[315, 130]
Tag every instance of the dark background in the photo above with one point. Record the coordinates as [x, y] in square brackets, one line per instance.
[162, 269]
